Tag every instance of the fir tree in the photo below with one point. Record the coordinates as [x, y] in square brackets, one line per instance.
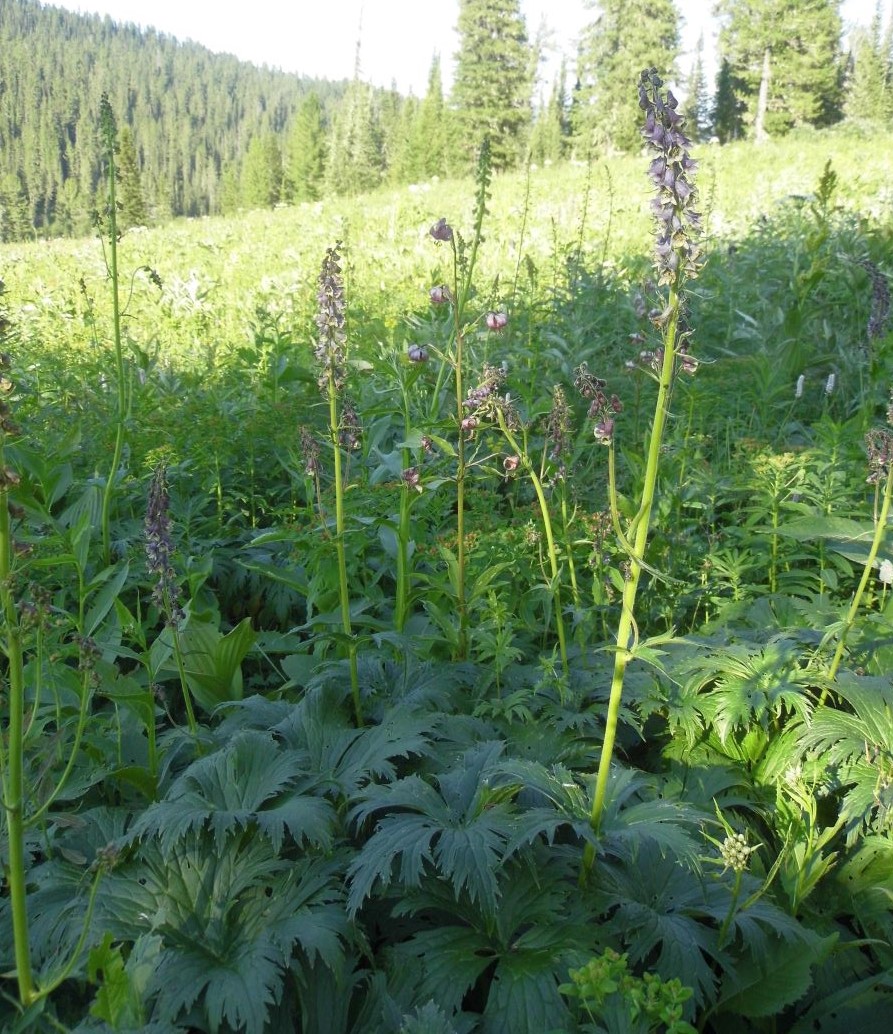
[697, 104]
[728, 110]
[261, 181]
[548, 141]
[626, 36]
[130, 191]
[306, 152]
[355, 161]
[869, 86]
[787, 52]
[493, 85]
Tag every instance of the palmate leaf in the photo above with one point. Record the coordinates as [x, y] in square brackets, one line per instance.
[660, 914]
[765, 987]
[248, 781]
[441, 964]
[238, 988]
[856, 745]
[460, 827]
[524, 997]
[342, 758]
[228, 920]
[750, 684]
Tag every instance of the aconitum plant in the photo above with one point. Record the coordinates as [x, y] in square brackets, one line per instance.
[676, 261]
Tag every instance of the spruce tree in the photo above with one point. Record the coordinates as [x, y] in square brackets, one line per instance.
[728, 110]
[625, 37]
[261, 180]
[697, 104]
[493, 83]
[790, 51]
[130, 191]
[868, 87]
[306, 152]
[355, 162]
[549, 138]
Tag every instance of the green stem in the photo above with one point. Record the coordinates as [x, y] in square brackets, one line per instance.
[730, 915]
[638, 528]
[184, 684]
[344, 591]
[458, 359]
[121, 415]
[401, 603]
[12, 769]
[550, 538]
[879, 532]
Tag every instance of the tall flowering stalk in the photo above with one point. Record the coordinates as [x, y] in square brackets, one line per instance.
[166, 591]
[457, 295]
[676, 261]
[13, 731]
[12, 780]
[331, 355]
[516, 437]
[109, 133]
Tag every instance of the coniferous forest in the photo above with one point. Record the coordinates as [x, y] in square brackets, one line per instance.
[208, 134]
[446, 587]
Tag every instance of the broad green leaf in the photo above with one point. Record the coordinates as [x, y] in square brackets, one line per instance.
[754, 989]
[106, 597]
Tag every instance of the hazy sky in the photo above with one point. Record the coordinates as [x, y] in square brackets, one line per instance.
[399, 37]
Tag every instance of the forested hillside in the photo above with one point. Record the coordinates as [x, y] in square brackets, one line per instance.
[191, 114]
[204, 133]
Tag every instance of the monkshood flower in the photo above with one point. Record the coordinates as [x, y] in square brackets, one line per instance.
[330, 348]
[441, 230]
[879, 442]
[417, 354]
[673, 206]
[159, 548]
[310, 452]
[602, 408]
[879, 316]
[558, 427]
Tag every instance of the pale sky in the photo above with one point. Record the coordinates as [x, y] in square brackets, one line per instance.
[399, 37]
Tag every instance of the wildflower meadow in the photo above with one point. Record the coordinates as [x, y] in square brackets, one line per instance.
[464, 608]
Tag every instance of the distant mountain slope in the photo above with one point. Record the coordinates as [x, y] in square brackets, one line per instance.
[191, 112]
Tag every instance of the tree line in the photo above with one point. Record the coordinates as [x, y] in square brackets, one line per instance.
[205, 133]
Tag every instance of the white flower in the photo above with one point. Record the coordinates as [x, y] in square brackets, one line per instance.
[798, 391]
[885, 574]
[829, 383]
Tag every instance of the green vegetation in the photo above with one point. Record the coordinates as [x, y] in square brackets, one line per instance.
[457, 610]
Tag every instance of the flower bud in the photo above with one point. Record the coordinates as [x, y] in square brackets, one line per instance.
[439, 294]
[417, 354]
[497, 320]
[441, 231]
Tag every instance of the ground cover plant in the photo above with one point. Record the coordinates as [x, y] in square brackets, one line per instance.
[466, 610]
